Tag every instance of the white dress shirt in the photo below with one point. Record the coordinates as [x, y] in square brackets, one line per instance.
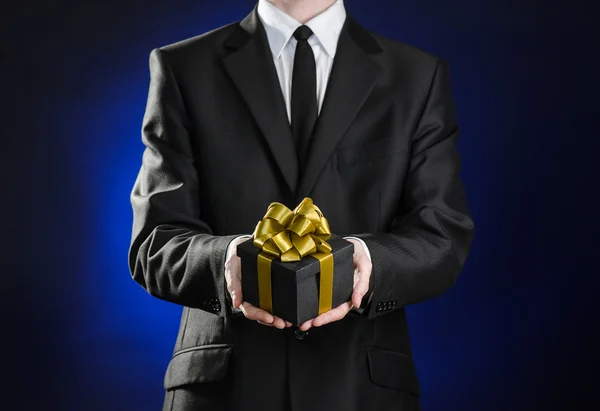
[280, 27]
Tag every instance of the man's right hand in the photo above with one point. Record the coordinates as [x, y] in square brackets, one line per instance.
[233, 276]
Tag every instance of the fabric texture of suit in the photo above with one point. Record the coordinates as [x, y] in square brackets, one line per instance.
[383, 166]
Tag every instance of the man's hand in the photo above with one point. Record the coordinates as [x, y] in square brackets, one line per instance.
[362, 274]
[233, 277]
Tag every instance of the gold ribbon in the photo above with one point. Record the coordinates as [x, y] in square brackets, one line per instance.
[292, 235]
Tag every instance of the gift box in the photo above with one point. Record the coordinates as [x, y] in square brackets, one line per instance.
[293, 267]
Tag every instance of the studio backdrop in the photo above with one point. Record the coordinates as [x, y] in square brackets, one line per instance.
[517, 330]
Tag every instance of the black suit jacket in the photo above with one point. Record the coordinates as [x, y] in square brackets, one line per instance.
[383, 166]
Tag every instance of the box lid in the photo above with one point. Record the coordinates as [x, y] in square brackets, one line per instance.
[307, 266]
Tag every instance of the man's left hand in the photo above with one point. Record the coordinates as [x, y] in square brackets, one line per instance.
[362, 273]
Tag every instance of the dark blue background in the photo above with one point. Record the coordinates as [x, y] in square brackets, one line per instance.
[517, 332]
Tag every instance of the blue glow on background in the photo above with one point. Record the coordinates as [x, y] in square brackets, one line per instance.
[512, 332]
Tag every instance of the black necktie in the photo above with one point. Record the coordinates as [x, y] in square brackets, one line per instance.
[304, 94]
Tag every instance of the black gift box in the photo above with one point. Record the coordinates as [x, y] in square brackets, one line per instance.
[295, 285]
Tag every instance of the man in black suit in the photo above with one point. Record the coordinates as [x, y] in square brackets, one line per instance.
[297, 100]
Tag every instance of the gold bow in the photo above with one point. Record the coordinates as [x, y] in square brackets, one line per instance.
[292, 235]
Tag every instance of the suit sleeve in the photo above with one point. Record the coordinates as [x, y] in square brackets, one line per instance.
[424, 250]
[174, 254]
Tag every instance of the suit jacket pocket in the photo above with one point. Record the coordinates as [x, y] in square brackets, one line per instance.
[393, 369]
[368, 153]
[206, 363]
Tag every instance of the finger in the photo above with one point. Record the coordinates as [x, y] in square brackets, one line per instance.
[233, 274]
[360, 289]
[236, 295]
[362, 262]
[279, 323]
[288, 324]
[306, 325]
[253, 313]
[332, 315]
[361, 281]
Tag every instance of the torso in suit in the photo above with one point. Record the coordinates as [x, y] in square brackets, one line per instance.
[383, 167]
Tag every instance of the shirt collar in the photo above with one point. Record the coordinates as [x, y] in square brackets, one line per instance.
[280, 26]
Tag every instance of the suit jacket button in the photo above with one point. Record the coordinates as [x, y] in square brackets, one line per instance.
[299, 334]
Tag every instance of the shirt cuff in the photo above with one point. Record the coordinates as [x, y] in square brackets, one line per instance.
[234, 241]
[364, 246]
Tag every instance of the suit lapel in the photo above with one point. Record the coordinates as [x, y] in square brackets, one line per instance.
[353, 76]
[251, 68]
